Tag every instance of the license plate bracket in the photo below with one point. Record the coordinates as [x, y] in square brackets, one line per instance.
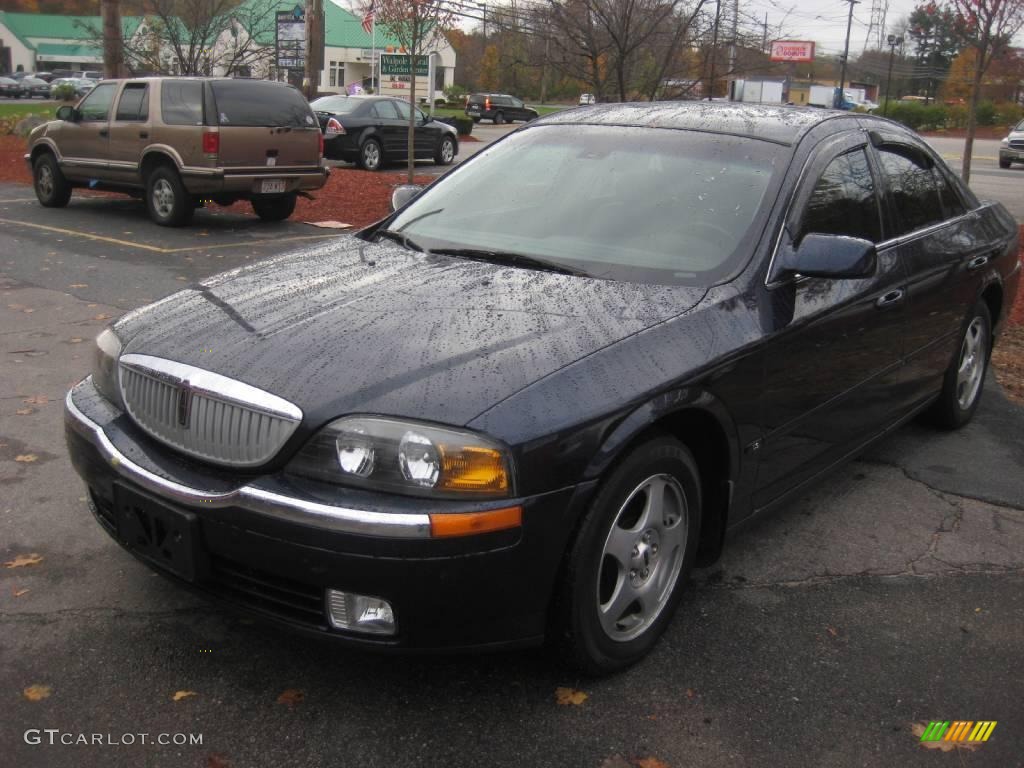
[272, 186]
[162, 535]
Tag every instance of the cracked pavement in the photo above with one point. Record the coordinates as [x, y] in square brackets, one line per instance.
[888, 595]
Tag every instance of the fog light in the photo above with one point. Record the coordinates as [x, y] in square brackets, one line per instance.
[360, 613]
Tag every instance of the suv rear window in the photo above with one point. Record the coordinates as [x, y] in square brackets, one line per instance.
[181, 102]
[256, 103]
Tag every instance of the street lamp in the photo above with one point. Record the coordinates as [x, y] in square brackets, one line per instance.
[893, 40]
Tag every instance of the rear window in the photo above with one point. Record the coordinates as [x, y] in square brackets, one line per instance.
[255, 103]
[338, 105]
[181, 102]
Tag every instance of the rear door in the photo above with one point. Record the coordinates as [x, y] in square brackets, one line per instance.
[84, 143]
[391, 127]
[264, 125]
[129, 131]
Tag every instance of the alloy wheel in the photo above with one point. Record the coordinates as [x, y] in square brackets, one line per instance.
[972, 364]
[44, 180]
[642, 557]
[163, 198]
[447, 151]
[371, 155]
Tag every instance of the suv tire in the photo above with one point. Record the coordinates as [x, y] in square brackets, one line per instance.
[499, 118]
[52, 189]
[371, 156]
[274, 207]
[168, 202]
[445, 153]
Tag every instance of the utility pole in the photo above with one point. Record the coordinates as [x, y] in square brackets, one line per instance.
[764, 34]
[483, 15]
[732, 50]
[894, 40]
[714, 50]
[314, 34]
[840, 96]
[544, 71]
[113, 45]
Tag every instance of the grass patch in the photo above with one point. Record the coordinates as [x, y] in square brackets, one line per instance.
[24, 108]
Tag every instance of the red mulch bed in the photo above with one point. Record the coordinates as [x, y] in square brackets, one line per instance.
[351, 196]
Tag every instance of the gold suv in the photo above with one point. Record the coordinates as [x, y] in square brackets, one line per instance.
[179, 141]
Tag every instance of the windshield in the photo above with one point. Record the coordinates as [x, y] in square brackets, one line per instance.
[339, 105]
[633, 204]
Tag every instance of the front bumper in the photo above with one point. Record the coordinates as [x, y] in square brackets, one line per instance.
[273, 544]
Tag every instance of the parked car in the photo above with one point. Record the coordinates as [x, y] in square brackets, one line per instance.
[92, 75]
[587, 99]
[11, 88]
[35, 86]
[81, 85]
[529, 400]
[179, 141]
[59, 73]
[373, 130]
[498, 107]
[47, 76]
[1011, 149]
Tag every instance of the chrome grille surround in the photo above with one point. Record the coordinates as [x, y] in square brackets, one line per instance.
[1016, 143]
[204, 414]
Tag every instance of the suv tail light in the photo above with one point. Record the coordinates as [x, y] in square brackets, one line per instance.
[487, 104]
[321, 137]
[211, 142]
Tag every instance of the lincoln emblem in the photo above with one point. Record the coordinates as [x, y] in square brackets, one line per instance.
[184, 404]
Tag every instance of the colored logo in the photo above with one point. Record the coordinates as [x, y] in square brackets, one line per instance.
[959, 730]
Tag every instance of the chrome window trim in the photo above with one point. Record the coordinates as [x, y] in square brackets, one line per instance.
[249, 497]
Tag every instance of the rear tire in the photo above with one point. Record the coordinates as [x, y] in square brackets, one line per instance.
[499, 118]
[633, 553]
[168, 202]
[274, 207]
[965, 377]
[445, 151]
[371, 156]
[52, 189]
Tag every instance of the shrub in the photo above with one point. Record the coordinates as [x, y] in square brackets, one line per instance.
[455, 93]
[463, 125]
[986, 113]
[64, 92]
[1008, 113]
[439, 102]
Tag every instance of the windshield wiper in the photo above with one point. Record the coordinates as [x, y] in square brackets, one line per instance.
[402, 240]
[513, 259]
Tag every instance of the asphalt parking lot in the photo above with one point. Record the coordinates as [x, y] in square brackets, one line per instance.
[888, 596]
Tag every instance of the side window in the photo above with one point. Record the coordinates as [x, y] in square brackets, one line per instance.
[385, 110]
[421, 117]
[134, 103]
[951, 202]
[403, 108]
[911, 185]
[181, 102]
[844, 201]
[516, 102]
[96, 106]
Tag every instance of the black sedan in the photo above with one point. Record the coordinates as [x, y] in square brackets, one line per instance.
[374, 130]
[35, 86]
[524, 405]
[11, 88]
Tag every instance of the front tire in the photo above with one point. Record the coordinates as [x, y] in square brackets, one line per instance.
[634, 551]
[965, 377]
[445, 154]
[52, 189]
[371, 156]
[274, 207]
[167, 200]
[499, 119]
[1005, 163]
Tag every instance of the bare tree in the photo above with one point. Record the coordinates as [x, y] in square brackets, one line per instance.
[418, 26]
[988, 26]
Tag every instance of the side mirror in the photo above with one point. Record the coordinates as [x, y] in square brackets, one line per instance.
[66, 113]
[404, 194]
[834, 257]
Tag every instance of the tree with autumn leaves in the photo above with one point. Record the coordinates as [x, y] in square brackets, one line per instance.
[418, 26]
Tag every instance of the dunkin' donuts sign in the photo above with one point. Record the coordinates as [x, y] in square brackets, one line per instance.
[792, 50]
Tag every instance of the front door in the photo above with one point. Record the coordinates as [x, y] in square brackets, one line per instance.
[84, 142]
[129, 132]
[837, 346]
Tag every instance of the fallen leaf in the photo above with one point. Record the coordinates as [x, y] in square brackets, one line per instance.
[24, 411]
[179, 695]
[650, 762]
[566, 696]
[291, 697]
[918, 729]
[102, 316]
[26, 458]
[79, 285]
[217, 760]
[36, 692]
[615, 761]
[21, 561]
[19, 592]
[76, 340]
[690, 693]
[832, 631]
[36, 400]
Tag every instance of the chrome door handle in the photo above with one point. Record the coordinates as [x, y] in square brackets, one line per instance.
[892, 297]
[977, 262]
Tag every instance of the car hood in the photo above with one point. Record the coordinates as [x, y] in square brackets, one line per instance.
[358, 327]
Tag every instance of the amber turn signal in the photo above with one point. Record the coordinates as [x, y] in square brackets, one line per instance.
[471, 468]
[469, 523]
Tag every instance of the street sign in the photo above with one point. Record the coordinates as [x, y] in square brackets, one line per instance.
[398, 64]
[290, 41]
[792, 50]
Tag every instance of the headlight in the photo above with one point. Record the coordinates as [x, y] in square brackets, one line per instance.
[104, 370]
[406, 457]
[1005, 142]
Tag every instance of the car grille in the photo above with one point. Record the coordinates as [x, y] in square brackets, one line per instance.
[1017, 143]
[204, 414]
[267, 592]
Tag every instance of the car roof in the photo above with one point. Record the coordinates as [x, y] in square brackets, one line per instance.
[782, 125]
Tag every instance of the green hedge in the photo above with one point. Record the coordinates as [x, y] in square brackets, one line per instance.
[463, 125]
[921, 117]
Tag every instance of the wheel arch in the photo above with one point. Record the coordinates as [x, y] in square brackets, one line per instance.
[44, 145]
[158, 155]
[992, 295]
[703, 424]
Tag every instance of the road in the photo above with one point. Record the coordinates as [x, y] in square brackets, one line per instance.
[891, 595]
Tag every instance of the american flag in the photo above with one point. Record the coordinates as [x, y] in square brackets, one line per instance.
[368, 19]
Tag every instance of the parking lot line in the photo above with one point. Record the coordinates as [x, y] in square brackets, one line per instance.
[158, 249]
[20, 200]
